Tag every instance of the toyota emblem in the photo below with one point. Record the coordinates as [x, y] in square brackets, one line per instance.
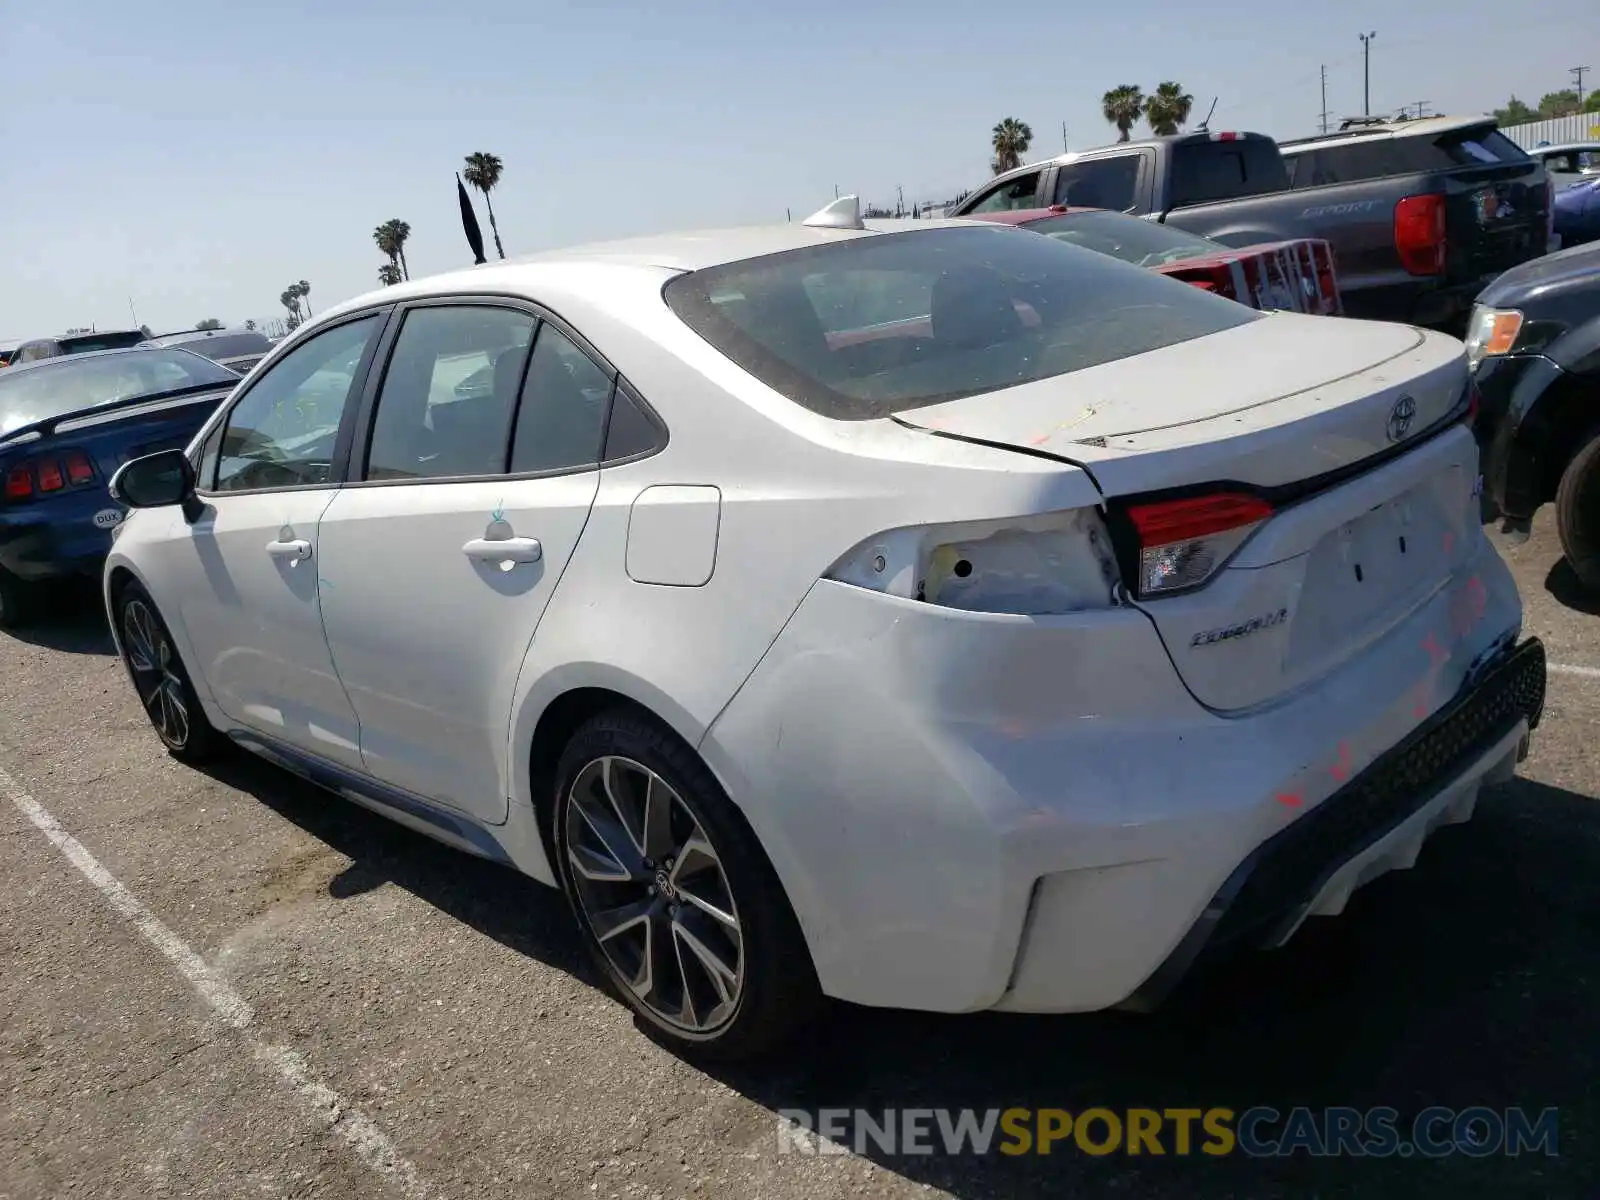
[1400, 418]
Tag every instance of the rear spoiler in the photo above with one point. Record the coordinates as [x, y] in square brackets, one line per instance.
[45, 428]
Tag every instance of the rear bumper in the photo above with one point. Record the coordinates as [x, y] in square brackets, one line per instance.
[67, 544]
[970, 811]
[1375, 823]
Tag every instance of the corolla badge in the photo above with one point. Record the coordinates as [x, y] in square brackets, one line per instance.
[1400, 418]
[1210, 637]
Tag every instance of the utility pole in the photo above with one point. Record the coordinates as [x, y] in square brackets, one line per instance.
[1577, 73]
[1324, 116]
[1064, 148]
[133, 314]
[1366, 71]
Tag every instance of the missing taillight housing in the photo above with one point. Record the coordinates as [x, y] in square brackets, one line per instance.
[1182, 543]
[1419, 233]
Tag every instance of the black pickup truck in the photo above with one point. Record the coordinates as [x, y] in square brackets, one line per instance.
[1421, 214]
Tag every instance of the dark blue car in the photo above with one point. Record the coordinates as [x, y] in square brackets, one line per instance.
[66, 425]
[1577, 214]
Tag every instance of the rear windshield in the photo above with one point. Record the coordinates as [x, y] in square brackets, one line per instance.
[227, 345]
[875, 325]
[85, 342]
[1205, 172]
[1477, 146]
[72, 383]
[1132, 239]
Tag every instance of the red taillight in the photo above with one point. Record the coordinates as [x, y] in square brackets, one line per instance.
[79, 469]
[19, 483]
[1328, 281]
[1183, 542]
[50, 477]
[1419, 234]
[1217, 278]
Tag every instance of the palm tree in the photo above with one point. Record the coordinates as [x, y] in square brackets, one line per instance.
[391, 238]
[483, 172]
[291, 302]
[1123, 106]
[304, 289]
[1011, 141]
[1167, 108]
[388, 274]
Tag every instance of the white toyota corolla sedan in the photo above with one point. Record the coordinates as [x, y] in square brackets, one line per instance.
[941, 617]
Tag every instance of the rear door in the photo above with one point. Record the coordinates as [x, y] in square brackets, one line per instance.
[470, 488]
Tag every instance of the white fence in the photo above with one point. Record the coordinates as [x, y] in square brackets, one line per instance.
[1584, 127]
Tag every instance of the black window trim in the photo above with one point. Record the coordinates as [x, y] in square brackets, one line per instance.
[339, 468]
[366, 408]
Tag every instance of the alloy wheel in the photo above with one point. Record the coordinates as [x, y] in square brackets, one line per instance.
[653, 891]
[155, 673]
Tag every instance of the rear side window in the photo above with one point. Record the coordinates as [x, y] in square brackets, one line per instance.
[869, 326]
[1205, 172]
[1102, 183]
[561, 418]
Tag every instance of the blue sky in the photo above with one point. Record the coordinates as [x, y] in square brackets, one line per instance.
[199, 157]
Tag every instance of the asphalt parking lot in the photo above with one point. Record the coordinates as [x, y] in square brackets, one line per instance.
[230, 984]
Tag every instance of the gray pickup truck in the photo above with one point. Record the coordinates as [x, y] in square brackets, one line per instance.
[1420, 214]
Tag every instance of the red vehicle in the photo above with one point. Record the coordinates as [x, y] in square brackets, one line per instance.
[1292, 276]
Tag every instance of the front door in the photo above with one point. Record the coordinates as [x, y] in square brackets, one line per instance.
[252, 578]
[441, 554]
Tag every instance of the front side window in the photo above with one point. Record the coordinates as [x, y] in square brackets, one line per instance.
[1101, 183]
[561, 418]
[282, 431]
[1002, 307]
[444, 410]
[1018, 193]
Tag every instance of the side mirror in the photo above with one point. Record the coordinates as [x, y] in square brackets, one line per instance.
[156, 481]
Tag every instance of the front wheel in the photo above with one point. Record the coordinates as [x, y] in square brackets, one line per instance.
[1578, 513]
[674, 895]
[160, 679]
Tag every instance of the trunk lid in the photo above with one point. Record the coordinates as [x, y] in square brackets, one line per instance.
[1291, 408]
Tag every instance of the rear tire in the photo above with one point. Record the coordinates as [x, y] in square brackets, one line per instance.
[1578, 513]
[16, 602]
[160, 678]
[674, 896]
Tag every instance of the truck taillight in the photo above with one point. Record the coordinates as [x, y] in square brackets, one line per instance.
[1328, 281]
[1419, 234]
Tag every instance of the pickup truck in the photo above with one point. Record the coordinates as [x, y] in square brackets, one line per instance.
[1420, 214]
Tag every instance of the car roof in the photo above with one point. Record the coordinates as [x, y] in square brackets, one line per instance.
[1565, 148]
[89, 355]
[673, 252]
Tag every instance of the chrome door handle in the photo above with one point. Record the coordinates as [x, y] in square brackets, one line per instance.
[517, 549]
[294, 550]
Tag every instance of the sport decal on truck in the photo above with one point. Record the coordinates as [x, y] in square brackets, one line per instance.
[1227, 633]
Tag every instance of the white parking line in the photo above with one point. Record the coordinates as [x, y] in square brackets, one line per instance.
[1569, 669]
[352, 1126]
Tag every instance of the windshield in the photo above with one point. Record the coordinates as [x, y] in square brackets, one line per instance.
[1143, 243]
[875, 325]
[67, 385]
